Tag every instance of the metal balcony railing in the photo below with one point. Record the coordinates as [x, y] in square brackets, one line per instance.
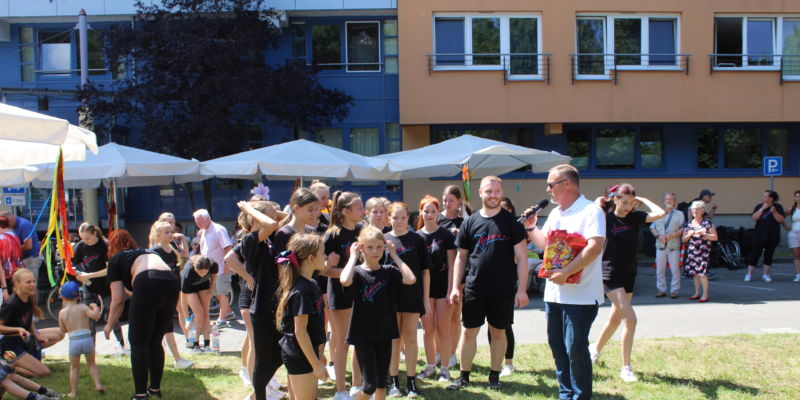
[593, 66]
[515, 66]
[787, 64]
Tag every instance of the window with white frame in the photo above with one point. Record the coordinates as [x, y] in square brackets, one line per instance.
[626, 41]
[488, 42]
[757, 42]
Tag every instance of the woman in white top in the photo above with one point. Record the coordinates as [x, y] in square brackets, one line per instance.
[794, 234]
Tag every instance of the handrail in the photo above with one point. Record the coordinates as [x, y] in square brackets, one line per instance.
[587, 65]
[515, 66]
[786, 64]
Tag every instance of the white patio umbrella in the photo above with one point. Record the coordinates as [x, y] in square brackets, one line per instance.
[296, 159]
[13, 177]
[28, 138]
[483, 156]
[126, 166]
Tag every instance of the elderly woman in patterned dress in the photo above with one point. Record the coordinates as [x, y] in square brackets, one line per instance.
[698, 235]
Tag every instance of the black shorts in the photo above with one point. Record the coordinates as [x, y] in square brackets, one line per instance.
[409, 299]
[498, 310]
[298, 364]
[15, 344]
[339, 298]
[245, 295]
[616, 283]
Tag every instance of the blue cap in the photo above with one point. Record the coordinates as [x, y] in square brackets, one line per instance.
[69, 290]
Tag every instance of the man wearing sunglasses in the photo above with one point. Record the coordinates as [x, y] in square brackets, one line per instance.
[572, 308]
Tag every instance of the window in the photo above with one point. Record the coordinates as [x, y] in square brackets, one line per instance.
[365, 141]
[392, 139]
[55, 53]
[791, 47]
[520, 136]
[651, 147]
[299, 41]
[743, 148]
[363, 46]
[330, 137]
[327, 46]
[578, 147]
[758, 43]
[638, 42]
[27, 59]
[707, 143]
[488, 41]
[778, 143]
[97, 64]
[390, 46]
[615, 149]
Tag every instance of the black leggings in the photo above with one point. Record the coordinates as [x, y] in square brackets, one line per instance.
[267, 351]
[373, 358]
[94, 298]
[767, 247]
[155, 294]
[509, 342]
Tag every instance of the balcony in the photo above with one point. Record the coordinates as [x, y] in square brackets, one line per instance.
[515, 67]
[787, 65]
[599, 66]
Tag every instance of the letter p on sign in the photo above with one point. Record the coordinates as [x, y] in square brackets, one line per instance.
[773, 166]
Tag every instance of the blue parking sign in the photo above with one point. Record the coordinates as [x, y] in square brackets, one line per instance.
[773, 166]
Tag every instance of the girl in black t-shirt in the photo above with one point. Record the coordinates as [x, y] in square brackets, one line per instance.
[619, 266]
[300, 314]
[16, 324]
[454, 210]
[442, 250]
[346, 215]
[412, 301]
[374, 323]
[160, 238]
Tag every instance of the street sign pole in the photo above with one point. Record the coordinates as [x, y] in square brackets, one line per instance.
[773, 166]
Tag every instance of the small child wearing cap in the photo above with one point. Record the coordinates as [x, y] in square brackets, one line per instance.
[73, 319]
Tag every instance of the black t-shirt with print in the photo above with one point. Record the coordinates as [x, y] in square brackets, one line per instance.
[767, 229]
[622, 242]
[450, 223]
[339, 243]
[192, 282]
[438, 243]
[490, 241]
[374, 305]
[412, 250]
[169, 257]
[305, 299]
[17, 313]
[93, 258]
[259, 258]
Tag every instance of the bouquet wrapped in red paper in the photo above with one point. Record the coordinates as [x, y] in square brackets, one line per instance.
[561, 249]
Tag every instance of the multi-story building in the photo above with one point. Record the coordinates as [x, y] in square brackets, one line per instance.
[667, 95]
[354, 42]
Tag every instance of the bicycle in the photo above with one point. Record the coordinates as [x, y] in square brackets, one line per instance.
[53, 302]
[730, 253]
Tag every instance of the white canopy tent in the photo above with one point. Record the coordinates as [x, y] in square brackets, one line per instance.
[483, 156]
[296, 159]
[29, 138]
[126, 166]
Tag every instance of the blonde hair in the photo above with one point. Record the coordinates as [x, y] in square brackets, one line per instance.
[318, 185]
[153, 237]
[246, 221]
[303, 245]
[489, 179]
[166, 216]
[370, 233]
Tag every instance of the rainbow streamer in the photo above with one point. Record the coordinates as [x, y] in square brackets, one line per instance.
[466, 176]
[58, 224]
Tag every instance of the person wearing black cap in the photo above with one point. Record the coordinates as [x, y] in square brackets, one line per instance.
[706, 196]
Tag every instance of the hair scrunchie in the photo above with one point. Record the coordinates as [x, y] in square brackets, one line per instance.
[288, 256]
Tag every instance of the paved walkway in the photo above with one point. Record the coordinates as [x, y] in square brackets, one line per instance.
[735, 307]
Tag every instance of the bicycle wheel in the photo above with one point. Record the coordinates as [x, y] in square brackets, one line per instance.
[735, 252]
[54, 302]
[213, 306]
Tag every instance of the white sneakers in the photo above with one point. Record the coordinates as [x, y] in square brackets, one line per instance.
[766, 278]
[507, 370]
[427, 372]
[796, 278]
[354, 390]
[273, 383]
[627, 375]
[342, 396]
[183, 363]
[444, 374]
[453, 361]
[747, 278]
[245, 376]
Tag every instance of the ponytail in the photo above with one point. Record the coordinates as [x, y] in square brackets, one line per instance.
[341, 200]
[300, 247]
[300, 198]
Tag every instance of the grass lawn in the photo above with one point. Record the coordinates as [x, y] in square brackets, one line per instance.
[731, 367]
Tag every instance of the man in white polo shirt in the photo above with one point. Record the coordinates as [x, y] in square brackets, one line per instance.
[572, 308]
[215, 244]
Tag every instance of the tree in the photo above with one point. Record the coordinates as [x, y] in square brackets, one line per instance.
[197, 79]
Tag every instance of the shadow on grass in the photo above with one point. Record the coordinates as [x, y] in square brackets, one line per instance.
[118, 381]
[710, 388]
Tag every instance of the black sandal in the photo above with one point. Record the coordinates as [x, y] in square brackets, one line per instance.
[154, 393]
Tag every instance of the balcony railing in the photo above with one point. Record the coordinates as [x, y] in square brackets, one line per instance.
[601, 66]
[787, 64]
[515, 66]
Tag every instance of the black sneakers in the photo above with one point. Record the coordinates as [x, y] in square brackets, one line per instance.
[458, 384]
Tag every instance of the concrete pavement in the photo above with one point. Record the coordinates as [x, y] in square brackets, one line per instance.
[756, 307]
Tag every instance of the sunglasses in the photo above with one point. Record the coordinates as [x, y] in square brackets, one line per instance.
[554, 184]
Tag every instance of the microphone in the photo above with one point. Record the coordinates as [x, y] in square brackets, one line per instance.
[538, 207]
